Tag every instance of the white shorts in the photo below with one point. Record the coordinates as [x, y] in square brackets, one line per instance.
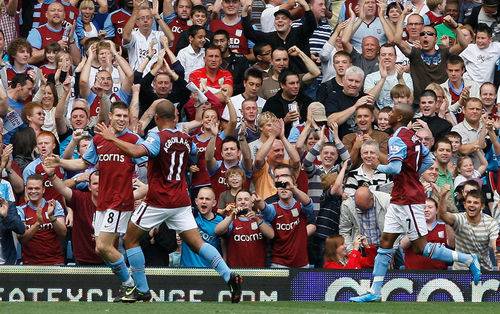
[406, 219]
[179, 219]
[111, 221]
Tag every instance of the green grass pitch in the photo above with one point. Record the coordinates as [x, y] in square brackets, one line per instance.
[247, 307]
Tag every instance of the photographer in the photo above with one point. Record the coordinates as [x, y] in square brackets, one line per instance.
[336, 256]
[247, 233]
[288, 217]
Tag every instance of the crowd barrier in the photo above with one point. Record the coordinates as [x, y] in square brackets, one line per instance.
[30, 283]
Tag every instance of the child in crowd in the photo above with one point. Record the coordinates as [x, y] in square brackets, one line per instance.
[50, 66]
[383, 119]
[435, 15]
[466, 170]
[401, 95]
[456, 141]
[336, 256]
[235, 177]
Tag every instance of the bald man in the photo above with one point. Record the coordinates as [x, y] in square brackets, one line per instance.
[363, 214]
[167, 200]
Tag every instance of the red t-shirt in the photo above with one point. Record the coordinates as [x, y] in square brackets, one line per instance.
[246, 245]
[290, 236]
[45, 247]
[177, 26]
[222, 77]
[83, 232]
[237, 41]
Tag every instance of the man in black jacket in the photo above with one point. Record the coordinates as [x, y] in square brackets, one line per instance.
[289, 103]
[284, 36]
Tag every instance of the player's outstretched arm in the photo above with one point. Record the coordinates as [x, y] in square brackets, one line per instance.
[108, 133]
[393, 167]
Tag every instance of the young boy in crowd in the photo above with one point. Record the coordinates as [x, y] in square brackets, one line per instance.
[435, 14]
[456, 141]
[383, 119]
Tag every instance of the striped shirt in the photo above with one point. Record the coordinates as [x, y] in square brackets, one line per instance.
[358, 178]
[476, 239]
[318, 39]
[315, 173]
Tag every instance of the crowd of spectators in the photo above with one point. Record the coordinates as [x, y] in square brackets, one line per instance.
[289, 106]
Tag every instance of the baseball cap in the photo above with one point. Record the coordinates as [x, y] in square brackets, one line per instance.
[318, 111]
[490, 3]
[283, 12]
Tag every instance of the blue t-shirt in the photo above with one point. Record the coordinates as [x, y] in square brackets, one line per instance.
[207, 233]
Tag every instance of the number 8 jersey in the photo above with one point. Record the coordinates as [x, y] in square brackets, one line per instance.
[169, 153]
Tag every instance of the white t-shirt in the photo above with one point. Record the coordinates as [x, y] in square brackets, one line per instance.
[138, 48]
[480, 63]
[237, 101]
[384, 98]
[115, 76]
[267, 18]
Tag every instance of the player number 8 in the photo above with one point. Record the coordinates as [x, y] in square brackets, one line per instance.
[111, 216]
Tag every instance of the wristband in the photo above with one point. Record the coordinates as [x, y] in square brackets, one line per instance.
[260, 223]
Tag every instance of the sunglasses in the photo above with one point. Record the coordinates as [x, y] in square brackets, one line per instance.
[427, 33]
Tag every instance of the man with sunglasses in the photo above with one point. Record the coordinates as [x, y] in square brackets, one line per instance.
[428, 64]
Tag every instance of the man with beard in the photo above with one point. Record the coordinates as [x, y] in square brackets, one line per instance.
[232, 62]
[428, 64]
[408, 158]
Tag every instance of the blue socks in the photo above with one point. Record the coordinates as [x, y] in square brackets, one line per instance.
[137, 263]
[439, 252]
[382, 260]
[213, 257]
[120, 269]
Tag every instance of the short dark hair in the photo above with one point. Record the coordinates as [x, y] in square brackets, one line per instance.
[483, 28]
[475, 194]
[35, 177]
[20, 78]
[455, 60]
[392, 5]
[118, 105]
[285, 74]
[442, 140]
[257, 49]
[229, 139]
[253, 72]
[194, 29]
[221, 31]
[213, 47]
[199, 8]
[429, 93]
[453, 134]
[389, 45]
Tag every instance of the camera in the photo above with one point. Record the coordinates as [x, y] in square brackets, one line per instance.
[280, 185]
[243, 212]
